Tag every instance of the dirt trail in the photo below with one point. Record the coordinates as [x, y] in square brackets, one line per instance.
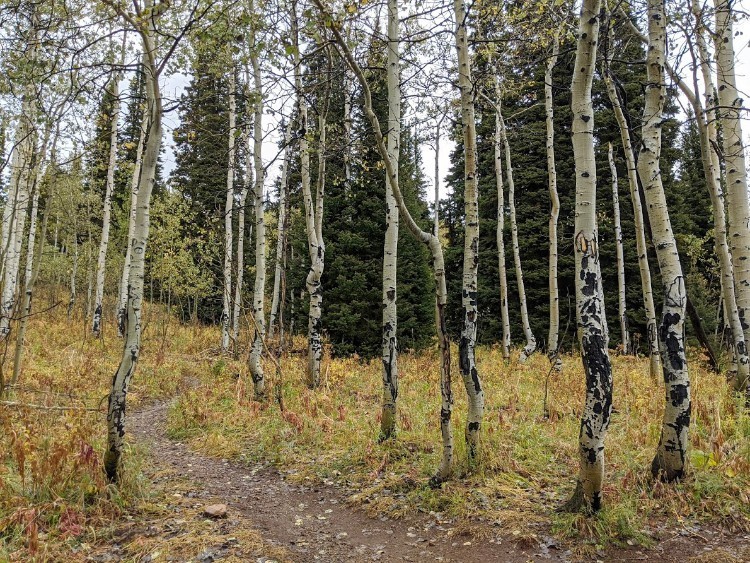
[313, 523]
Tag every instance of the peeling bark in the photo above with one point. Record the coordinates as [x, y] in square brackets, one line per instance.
[390, 250]
[671, 456]
[590, 312]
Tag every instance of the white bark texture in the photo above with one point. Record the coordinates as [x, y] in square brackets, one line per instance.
[590, 313]
[135, 181]
[101, 262]
[671, 457]
[390, 250]
[554, 213]
[500, 234]
[640, 228]
[738, 203]
[226, 310]
[467, 343]
[259, 290]
[530, 339]
[131, 350]
[621, 302]
[432, 241]
[282, 234]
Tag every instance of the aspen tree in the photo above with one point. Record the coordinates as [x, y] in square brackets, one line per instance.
[259, 290]
[738, 202]
[671, 455]
[282, 235]
[226, 310]
[101, 262]
[431, 240]
[390, 250]
[621, 304]
[554, 213]
[237, 305]
[638, 219]
[467, 343]
[530, 339]
[590, 311]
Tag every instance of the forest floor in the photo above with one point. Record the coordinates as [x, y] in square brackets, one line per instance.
[312, 483]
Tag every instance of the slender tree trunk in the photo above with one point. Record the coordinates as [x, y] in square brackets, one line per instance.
[226, 310]
[431, 241]
[259, 290]
[640, 228]
[671, 456]
[282, 235]
[32, 271]
[530, 339]
[131, 350]
[73, 270]
[101, 263]
[622, 306]
[590, 312]
[738, 203]
[467, 362]
[554, 297]
[390, 250]
[135, 181]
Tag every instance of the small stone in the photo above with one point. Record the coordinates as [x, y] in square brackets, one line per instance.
[216, 510]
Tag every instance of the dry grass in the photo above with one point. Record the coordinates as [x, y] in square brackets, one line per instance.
[55, 505]
[528, 463]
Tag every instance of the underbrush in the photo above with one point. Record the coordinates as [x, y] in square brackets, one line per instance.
[53, 493]
[528, 463]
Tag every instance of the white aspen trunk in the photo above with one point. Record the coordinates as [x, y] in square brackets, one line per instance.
[226, 310]
[554, 297]
[132, 347]
[530, 339]
[432, 241]
[671, 456]
[467, 362]
[501, 228]
[135, 181]
[73, 271]
[590, 313]
[390, 250]
[436, 217]
[101, 263]
[32, 271]
[622, 306]
[242, 211]
[281, 240]
[640, 229]
[738, 203]
[259, 290]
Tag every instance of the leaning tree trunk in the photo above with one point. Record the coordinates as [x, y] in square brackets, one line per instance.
[226, 311]
[135, 181]
[390, 250]
[131, 350]
[282, 236]
[738, 203]
[622, 306]
[431, 240]
[554, 298]
[671, 455]
[590, 312]
[259, 290]
[501, 236]
[467, 362]
[640, 228]
[530, 340]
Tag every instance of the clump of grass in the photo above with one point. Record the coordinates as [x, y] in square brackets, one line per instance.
[528, 463]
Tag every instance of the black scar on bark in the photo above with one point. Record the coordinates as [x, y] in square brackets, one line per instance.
[475, 379]
[589, 283]
[744, 324]
[678, 394]
[674, 349]
[473, 427]
[391, 294]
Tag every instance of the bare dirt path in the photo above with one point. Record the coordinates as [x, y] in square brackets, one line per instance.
[313, 523]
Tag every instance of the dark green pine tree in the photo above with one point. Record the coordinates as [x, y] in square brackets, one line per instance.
[201, 161]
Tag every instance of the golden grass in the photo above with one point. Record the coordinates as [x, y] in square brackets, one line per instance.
[528, 463]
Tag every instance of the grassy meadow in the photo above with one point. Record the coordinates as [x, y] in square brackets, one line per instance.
[55, 502]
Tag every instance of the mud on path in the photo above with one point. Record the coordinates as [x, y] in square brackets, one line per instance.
[313, 523]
